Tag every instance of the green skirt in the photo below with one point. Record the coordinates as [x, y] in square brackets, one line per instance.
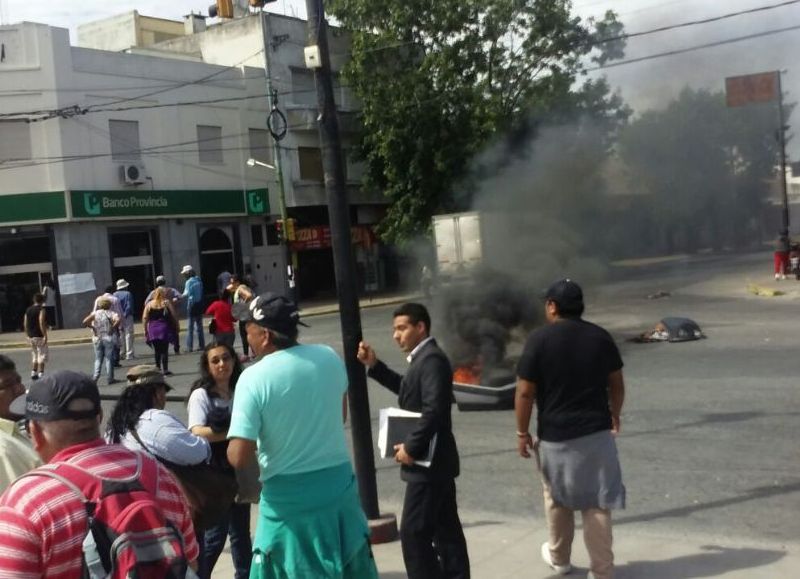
[311, 525]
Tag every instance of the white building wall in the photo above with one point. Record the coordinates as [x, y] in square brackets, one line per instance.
[52, 75]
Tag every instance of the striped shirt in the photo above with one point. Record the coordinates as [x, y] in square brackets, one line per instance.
[43, 523]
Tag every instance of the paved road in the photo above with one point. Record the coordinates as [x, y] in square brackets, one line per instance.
[709, 429]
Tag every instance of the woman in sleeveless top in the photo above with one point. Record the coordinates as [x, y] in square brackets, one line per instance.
[159, 322]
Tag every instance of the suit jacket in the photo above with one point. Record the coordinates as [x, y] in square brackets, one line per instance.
[427, 387]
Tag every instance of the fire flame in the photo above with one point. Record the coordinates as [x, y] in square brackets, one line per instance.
[467, 375]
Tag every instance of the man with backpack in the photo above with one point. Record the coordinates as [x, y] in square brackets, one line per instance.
[59, 521]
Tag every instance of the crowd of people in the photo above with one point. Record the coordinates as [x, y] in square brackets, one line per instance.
[273, 434]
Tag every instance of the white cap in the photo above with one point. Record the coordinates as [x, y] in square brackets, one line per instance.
[187, 269]
[122, 284]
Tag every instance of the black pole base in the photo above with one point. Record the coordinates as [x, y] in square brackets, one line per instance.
[383, 529]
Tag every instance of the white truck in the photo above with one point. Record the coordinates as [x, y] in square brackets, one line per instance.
[459, 239]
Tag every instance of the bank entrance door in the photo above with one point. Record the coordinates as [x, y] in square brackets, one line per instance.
[18, 283]
[217, 254]
[133, 259]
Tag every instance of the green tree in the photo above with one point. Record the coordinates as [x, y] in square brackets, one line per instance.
[440, 79]
[704, 166]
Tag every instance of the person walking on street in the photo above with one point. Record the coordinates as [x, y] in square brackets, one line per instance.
[43, 515]
[35, 323]
[240, 293]
[49, 293]
[16, 453]
[104, 324]
[159, 321]
[115, 307]
[125, 298]
[431, 536]
[193, 294]
[210, 402]
[290, 408]
[572, 371]
[174, 297]
[223, 322]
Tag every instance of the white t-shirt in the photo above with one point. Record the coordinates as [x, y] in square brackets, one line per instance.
[200, 406]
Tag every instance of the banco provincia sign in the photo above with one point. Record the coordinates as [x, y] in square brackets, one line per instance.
[167, 203]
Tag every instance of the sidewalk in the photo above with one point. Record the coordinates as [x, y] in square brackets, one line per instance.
[14, 340]
[509, 549]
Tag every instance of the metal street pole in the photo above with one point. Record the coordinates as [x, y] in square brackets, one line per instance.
[782, 139]
[346, 276]
[289, 285]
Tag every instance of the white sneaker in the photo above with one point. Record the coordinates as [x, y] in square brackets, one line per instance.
[777, 276]
[560, 569]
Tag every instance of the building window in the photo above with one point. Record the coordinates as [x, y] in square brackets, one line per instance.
[259, 144]
[15, 141]
[304, 91]
[310, 164]
[257, 235]
[209, 144]
[124, 140]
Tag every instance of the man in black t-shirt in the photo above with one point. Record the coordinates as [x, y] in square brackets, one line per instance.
[35, 322]
[571, 369]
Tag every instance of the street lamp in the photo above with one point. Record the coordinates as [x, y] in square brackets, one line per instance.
[253, 162]
[291, 293]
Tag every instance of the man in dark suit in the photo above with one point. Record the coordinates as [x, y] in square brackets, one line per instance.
[431, 535]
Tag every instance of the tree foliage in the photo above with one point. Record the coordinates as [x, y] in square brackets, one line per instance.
[439, 79]
[705, 167]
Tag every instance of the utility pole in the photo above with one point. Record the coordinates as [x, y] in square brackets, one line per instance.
[782, 143]
[318, 57]
[278, 133]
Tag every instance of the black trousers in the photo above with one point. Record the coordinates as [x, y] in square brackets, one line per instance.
[431, 536]
[243, 336]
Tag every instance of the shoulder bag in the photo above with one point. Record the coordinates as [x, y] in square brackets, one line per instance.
[209, 490]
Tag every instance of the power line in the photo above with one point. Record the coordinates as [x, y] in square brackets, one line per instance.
[617, 63]
[183, 84]
[709, 20]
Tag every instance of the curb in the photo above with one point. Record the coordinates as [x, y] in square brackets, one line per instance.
[312, 312]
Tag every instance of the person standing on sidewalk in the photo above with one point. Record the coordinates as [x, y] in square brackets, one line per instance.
[126, 326]
[49, 293]
[571, 369]
[35, 323]
[290, 409]
[431, 536]
[240, 293]
[105, 329]
[193, 294]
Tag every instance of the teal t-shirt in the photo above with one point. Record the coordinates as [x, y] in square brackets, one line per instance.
[290, 402]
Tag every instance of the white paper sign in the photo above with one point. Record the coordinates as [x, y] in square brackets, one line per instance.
[76, 283]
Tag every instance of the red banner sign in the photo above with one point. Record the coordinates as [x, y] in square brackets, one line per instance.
[319, 237]
[751, 88]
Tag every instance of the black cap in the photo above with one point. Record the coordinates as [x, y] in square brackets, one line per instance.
[62, 395]
[566, 293]
[271, 311]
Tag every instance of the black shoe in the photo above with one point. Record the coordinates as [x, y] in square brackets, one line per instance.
[113, 381]
[167, 373]
[34, 376]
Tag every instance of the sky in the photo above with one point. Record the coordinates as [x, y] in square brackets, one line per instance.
[645, 85]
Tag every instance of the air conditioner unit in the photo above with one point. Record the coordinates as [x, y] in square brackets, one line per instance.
[132, 174]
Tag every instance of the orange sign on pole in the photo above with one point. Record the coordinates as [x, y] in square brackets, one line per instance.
[751, 88]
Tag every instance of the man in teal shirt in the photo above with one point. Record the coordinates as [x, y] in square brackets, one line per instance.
[193, 294]
[289, 409]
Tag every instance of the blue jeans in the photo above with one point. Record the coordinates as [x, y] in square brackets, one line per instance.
[104, 349]
[195, 322]
[237, 525]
